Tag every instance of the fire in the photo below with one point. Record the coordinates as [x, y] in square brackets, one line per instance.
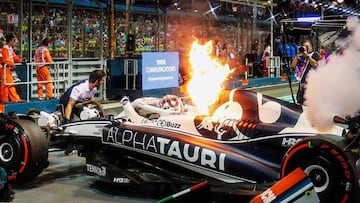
[208, 75]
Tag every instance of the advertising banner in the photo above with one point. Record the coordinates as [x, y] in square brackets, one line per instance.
[160, 70]
[13, 19]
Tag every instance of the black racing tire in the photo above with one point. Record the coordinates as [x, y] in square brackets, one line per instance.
[23, 150]
[331, 170]
[322, 174]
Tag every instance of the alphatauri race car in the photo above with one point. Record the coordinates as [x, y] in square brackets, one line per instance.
[244, 145]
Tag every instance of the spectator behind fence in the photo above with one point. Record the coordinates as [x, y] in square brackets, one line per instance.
[42, 59]
[8, 90]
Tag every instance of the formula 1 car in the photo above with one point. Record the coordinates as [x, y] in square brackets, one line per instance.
[245, 144]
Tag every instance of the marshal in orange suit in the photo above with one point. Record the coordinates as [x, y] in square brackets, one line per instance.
[8, 90]
[42, 59]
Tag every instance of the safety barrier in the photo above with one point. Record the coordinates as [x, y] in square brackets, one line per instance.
[63, 73]
[275, 66]
[130, 69]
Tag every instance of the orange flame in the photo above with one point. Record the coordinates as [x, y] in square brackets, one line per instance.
[207, 77]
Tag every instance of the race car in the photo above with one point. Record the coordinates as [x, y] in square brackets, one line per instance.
[244, 145]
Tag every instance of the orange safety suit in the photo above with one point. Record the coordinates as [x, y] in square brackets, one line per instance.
[8, 91]
[42, 55]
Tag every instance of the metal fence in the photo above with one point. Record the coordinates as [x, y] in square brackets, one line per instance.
[63, 73]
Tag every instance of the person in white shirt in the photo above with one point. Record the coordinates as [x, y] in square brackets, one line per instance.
[81, 91]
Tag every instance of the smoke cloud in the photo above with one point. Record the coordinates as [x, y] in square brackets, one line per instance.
[334, 88]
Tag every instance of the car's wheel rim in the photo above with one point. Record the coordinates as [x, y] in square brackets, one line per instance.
[6, 152]
[319, 176]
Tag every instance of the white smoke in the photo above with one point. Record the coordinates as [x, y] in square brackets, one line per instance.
[334, 88]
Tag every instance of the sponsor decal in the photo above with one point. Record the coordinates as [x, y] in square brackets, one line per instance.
[288, 142]
[9, 126]
[164, 146]
[268, 196]
[121, 180]
[100, 171]
[341, 159]
[13, 128]
[164, 123]
[222, 130]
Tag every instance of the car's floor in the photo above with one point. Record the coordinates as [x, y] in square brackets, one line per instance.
[65, 181]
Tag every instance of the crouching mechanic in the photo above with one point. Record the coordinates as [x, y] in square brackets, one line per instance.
[79, 92]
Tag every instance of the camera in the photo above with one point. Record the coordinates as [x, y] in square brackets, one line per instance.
[302, 49]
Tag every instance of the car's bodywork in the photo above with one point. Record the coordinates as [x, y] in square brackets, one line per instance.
[240, 147]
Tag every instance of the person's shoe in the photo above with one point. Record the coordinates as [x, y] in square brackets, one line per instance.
[50, 98]
[41, 98]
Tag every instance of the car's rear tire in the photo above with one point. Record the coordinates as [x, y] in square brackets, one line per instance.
[322, 174]
[331, 170]
[23, 150]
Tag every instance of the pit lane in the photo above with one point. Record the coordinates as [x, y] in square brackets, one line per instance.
[65, 179]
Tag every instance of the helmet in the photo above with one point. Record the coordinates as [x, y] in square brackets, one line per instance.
[89, 113]
[171, 102]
